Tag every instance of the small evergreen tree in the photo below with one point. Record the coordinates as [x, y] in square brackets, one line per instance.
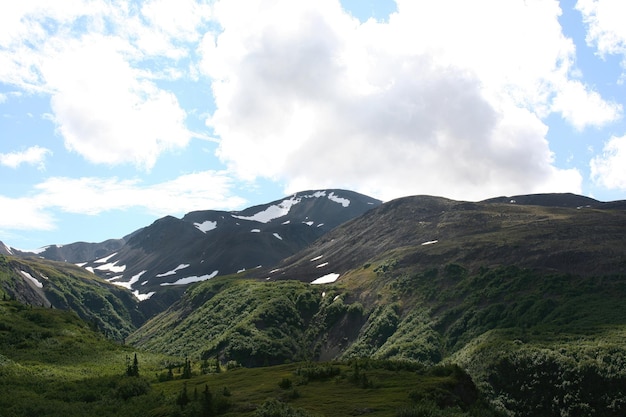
[207, 402]
[183, 399]
[133, 370]
[186, 369]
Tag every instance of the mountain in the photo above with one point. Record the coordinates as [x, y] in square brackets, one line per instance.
[64, 286]
[171, 253]
[525, 293]
[549, 232]
[74, 252]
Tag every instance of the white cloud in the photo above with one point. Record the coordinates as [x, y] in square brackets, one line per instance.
[35, 155]
[23, 214]
[100, 63]
[443, 99]
[605, 22]
[609, 169]
[582, 107]
[91, 195]
[106, 110]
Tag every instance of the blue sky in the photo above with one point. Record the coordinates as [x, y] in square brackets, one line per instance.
[115, 113]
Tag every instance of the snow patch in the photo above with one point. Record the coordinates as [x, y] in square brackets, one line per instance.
[104, 260]
[317, 258]
[322, 265]
[282, 209]
[38, 250]
[309, 223]
[32, 279]
[206, 226]
[80, 265]
[112, 267]
[191, 279]
[287, 222]
[241, 270]
[326, 279]
[8, 249]
[173, 271]
[272, 212]
[143, 297]
[255, 231]
[430, 242]
[90, 269]
[343, 201]
[129, 284]
[277, 236]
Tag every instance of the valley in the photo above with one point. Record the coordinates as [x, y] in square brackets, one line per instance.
[517, 299]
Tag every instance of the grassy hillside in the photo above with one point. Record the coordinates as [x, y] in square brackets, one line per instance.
[503, 325]
[59, 285]
[53, 364]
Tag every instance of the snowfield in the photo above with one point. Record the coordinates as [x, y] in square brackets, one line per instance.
[130, 283]
[112, 267]
[343, 201]
[32, 279]
[206, 226]
[173, 271]
[282, 209]
[191, 279]
[326, 279]
[104, 260]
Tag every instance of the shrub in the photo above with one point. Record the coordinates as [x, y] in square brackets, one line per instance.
[275, 408]
[285, 383]
[132, 387]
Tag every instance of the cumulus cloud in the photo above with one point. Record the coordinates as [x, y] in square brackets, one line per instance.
[106, 110]
[93, 196]
[35, 155]
[442, 99]
[90, 195]
[609, 168]
[93, 60]
[582, 107]
[24, 214]
[606, 30]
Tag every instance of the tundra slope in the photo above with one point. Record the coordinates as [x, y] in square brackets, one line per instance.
[522, 291]
[550, 232]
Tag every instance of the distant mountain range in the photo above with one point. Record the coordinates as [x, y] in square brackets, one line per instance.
[174, 252]
[551, 232]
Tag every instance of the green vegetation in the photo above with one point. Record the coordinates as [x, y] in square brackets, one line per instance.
[110, 309]
[501, 324]
[516, 311]
[54, 364]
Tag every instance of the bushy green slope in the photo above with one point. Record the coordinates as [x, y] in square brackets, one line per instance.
[53, 364]
[113, 310]
[502, 324]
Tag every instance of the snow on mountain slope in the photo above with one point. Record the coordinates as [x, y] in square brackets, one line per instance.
[172, 252]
